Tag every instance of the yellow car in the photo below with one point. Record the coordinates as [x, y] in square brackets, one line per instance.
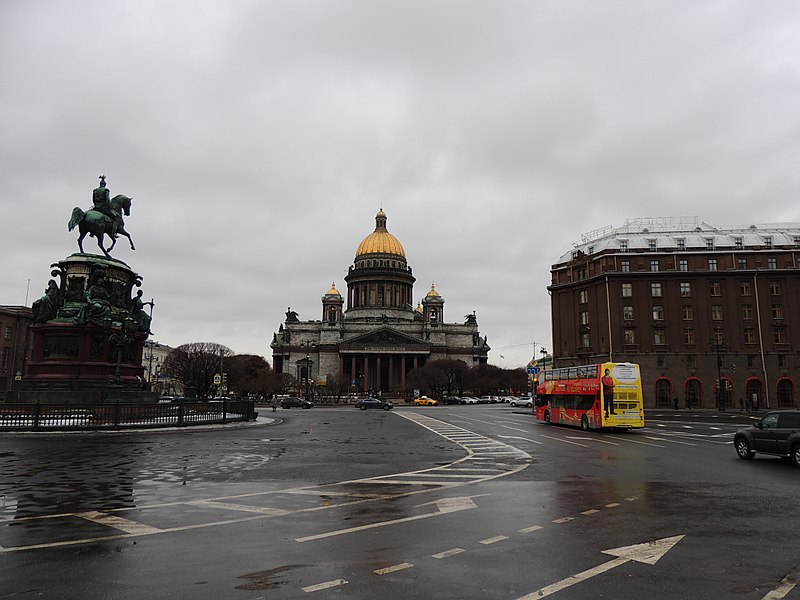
[425, 401]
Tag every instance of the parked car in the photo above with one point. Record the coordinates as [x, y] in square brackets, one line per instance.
[452, 400]
[293, 402]
[522, 401]
[366, 403]
[777, 433]
[469, 400]
[425, 401]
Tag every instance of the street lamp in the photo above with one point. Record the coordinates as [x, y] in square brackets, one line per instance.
[544, 362]
[150, 356]
[308, 344]
[718, 344]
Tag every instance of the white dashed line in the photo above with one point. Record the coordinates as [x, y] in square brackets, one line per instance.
[393, 568]
[448, 553]
[324, 586]
[563, 520]
[494, 540]
[531, 529]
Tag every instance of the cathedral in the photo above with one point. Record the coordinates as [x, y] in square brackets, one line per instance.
[372, 343]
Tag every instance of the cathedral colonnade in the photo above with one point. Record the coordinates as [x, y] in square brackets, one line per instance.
[382, 371]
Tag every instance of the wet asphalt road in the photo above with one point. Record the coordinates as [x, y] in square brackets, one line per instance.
[442, 502]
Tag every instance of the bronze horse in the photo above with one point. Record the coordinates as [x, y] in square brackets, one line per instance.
[98, 225]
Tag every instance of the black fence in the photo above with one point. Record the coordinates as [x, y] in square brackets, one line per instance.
[123, 415]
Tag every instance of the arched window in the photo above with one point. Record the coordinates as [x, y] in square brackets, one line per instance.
[380, 295]
[663, 392]
[434, 315]
[332, 314]
[693, 392]
[755, 392]
[785, 392]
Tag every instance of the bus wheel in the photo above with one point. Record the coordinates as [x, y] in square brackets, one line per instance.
[547, 416]
[584, 423]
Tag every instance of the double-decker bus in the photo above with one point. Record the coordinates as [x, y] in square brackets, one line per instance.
[606, 395]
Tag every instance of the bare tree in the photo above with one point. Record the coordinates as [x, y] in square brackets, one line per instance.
[195, 365]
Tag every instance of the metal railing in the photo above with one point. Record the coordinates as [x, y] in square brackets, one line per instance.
[123, 415]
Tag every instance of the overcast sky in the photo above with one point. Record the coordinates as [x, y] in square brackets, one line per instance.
[258, 140]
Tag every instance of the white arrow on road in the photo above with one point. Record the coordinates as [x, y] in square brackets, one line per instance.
[443, 505]
[648, 553]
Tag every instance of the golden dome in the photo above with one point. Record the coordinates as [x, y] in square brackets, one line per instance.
[333, 291]
[433, 293]
[380, 241]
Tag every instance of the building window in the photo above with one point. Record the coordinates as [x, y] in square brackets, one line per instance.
[780, 336]
[712, 264]
[683, 265]
[626, 266]
[8, 332]
[590, 250]
[654, 265]
[691, 361]
[688, 337]
[772, 263]
[747, 311]
[716, 312]
[782, 357]
[5, 357]
[681, 243]
[718, 335]
[651, 244]
[627, 290]
[745, 289]
[710, 243]
[686, 289]
[630, 336]
[661, 361]
[659, 339]
[768, 241]
[751, 360]
[774, 288]
[627, 313]
[749, 336]
[623, 245]
[584, 318]
[583, 296]
[716, 288]
[658, 313]
[688, 313]
[797, 240]
[742, 263]
[585, 340]
[737, 242]
[777, 311]
[655, 290]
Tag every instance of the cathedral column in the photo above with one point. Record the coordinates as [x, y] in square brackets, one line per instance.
[378, 372]
[403, 367]
[366, 372]
[352, 368]
[392, 358]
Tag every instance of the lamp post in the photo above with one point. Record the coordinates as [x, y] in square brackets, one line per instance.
[308, 344]
[544, 363]
[121, 341]
[149, 356]
[718, 344]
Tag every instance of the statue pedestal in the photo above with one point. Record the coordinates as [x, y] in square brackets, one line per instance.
[89, 350]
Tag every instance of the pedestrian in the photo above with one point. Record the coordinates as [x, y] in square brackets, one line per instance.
[688, 403]
[741, 404]
[675, 402]
[274, 404]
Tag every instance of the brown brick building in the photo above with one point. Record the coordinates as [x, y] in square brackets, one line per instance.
[691, 303]
[15, 345]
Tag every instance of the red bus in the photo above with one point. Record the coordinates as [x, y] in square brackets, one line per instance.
[601, 396]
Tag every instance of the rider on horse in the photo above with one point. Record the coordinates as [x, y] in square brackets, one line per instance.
[101, 198]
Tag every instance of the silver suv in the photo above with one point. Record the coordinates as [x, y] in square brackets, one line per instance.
[776, 433]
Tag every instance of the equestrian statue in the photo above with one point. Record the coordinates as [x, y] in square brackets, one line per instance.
[104, 218]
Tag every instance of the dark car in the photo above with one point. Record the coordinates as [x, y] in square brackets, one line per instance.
[777, 433]
[366, 403]
[296, 403]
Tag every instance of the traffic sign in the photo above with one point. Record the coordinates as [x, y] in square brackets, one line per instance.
[217, 379]
[534, 370]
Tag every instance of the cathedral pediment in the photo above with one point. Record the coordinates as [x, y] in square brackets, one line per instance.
[384, 339]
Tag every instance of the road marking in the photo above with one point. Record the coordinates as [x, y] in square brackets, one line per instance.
[612, 505]
[591, 511]
[445, 506]
[131, 527]
[262, 510]
[636, 442]
[531, 529]
[788, 583]
[565, 441]
[393, 568]
[324, 586]
[655, 439]
[591, 439]
[494, 540]
[517, 437]
[448, 553]
[563, 520]
[647, 553]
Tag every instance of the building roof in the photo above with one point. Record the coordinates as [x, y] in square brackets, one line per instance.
[380, 241]
[684, 233]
